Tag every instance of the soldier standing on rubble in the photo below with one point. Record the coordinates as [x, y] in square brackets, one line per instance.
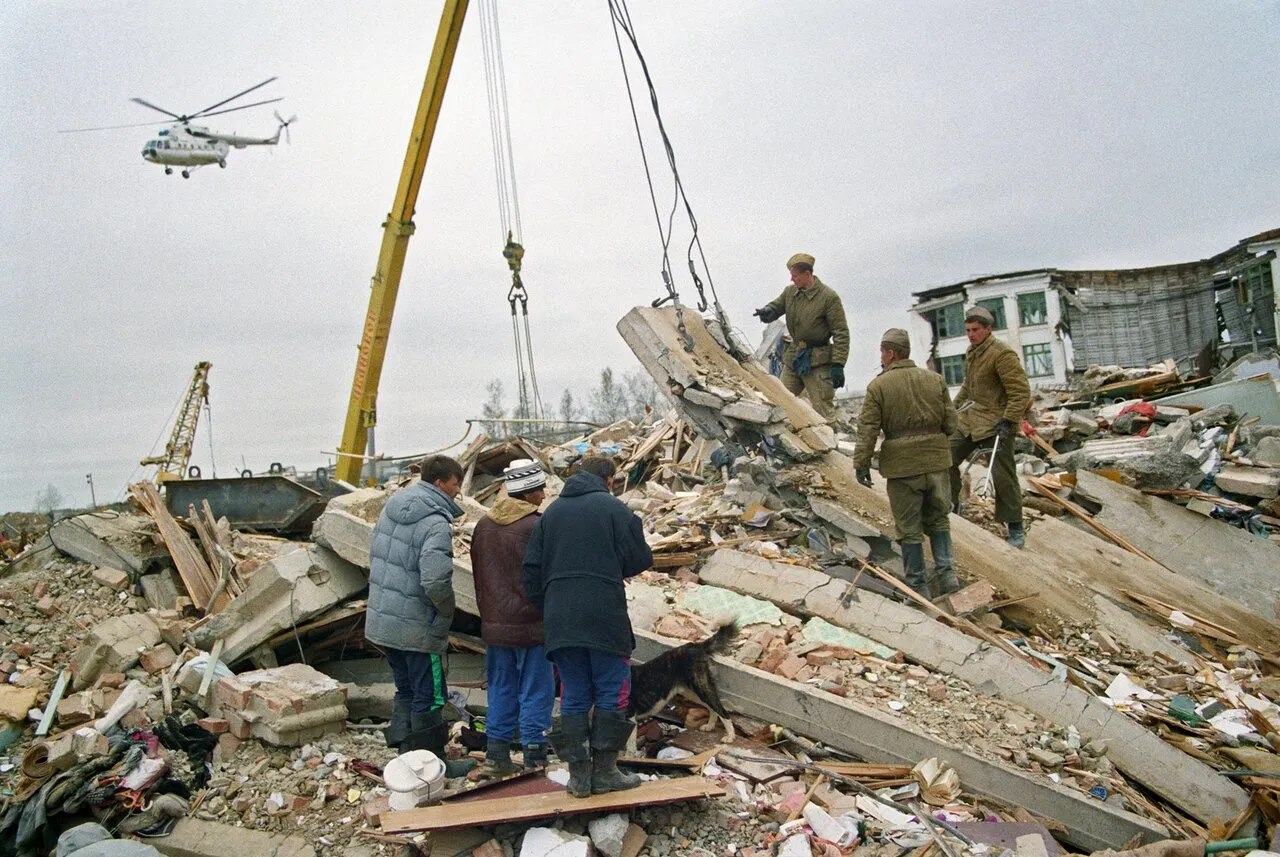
[411, 604]
[813, 362]
[522, 685]
[586, 544]
[912, 407]
[996, 384]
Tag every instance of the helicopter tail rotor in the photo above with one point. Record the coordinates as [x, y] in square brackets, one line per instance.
[284, 125]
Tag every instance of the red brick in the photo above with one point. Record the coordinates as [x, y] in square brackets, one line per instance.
[113, 578]
[686, 575]
[232, 694]
[238, 726]
[489, 849]
[790, 666]
[772, 659]
[111, 680]
[136, 719]
[819, 657]
[47, 605]
[158, 658]
[216, 725]
[40, 589]
[73, 711]
[296, 803]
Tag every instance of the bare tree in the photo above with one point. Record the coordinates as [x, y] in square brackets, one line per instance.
[48, 500]
[494, 408]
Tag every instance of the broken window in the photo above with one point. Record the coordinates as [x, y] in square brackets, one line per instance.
[995, 306]
[948, 320]
[1038, 359]
[1033, 308]
[953, 369]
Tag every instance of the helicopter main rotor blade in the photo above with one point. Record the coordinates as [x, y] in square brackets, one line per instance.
[160, 109]
[205, 112]
[232, 109]
[109, 127]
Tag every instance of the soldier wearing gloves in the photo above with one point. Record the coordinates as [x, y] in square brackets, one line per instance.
[996, 384]
[912, 407]
[813, 361]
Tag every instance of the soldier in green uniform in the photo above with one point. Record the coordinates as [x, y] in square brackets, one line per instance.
[813, 361]
[996, 384]
[913, 409]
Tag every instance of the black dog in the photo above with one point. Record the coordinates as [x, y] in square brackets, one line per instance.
[684, 670]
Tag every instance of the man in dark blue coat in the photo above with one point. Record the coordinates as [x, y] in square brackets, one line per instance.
[581, 550]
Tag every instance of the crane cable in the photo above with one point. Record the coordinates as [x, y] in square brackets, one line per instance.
[621, 18]
[530, 398]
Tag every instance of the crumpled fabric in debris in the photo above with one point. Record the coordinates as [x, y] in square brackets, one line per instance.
[93, 840]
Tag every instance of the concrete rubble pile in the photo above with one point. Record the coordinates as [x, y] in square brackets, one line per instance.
[1086, 692]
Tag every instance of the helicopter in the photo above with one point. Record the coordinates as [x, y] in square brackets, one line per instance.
[193, 146]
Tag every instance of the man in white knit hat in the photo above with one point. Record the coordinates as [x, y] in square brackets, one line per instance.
[521, 680]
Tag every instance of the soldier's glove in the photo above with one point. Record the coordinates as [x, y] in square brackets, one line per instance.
[767, 314]
[864, 477]
[837, 375]
[1003, 429]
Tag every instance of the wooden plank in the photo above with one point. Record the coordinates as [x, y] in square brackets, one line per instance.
[192, 568]
[674, 560]
[1083, 514]
[219, 566]
[482, 813]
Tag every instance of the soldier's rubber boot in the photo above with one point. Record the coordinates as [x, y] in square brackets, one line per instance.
[571, 739]
[1017, 534]
[497, 758]
[398, 729]
[609, 734]
[535, 756]
[428, 731]
[913, 565]
[944, 563]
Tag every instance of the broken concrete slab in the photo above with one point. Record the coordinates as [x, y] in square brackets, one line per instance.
[123, 541]
[192, 837]
[1261, 482]
[1234, 563]
[834, 514]
[1135, 633]
[1267, 452]
[113, 646]
[654, 336]
[877, 736]
[1058, 571]
[346, 525]
[283, 592]
[1180, 779]
[161, 589]
[284, 706]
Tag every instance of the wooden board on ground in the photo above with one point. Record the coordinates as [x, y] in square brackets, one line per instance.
[487, 812]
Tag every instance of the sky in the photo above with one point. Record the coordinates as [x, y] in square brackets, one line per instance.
[905, 145]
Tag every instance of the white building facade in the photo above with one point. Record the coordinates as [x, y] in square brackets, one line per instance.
[1028, 317]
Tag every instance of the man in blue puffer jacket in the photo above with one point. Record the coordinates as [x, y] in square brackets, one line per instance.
[411, 602]
[581, 550]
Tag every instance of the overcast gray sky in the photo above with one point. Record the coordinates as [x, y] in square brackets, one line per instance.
[905, 145]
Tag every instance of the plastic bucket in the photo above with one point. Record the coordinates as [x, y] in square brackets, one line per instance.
[414, 778]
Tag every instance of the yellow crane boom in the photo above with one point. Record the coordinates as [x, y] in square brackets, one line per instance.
[177, 452]
[362, 409]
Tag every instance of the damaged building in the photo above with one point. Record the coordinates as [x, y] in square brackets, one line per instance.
[1063, 321]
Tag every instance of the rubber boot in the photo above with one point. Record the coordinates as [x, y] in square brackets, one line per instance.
[535, 756]
[398, 729]
[1017, 534]
[944, 563]
[428, 731]
[913, 565]
[570, 738]
[609, 734]
[497, 758]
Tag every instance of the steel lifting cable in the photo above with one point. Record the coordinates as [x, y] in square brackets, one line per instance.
[530, 398]
[621, 18]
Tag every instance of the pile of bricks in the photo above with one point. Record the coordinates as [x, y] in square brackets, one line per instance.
[286, 706]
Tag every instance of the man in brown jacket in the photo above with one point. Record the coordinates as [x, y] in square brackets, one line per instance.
[996, 385]
[813, 361]
[521, 680]
[912, 407]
